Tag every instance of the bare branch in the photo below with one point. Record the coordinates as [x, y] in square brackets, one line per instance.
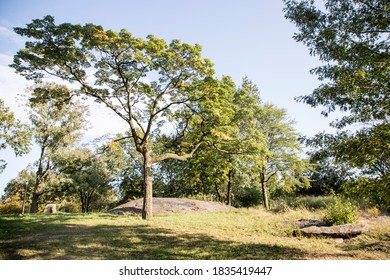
[175, 156]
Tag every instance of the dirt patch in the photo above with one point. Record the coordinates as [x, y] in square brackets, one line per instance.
[171, 205]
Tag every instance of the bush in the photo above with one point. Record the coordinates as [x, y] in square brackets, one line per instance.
[341, 213]
[69, 207]
[372, 212]
[248, 197]
[280, 206]
[11, 207]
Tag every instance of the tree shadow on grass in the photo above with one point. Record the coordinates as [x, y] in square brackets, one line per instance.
[53, 240]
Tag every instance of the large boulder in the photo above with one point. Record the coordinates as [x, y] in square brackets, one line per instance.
[50, 209]
[164, 205]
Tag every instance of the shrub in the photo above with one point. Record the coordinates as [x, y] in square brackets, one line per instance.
[341, 213]
[280, 207]
[373, 212]
[248, 197]
[69, 207]
[11, 207]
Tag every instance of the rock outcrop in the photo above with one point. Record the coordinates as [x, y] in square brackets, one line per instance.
[309, 228]
[340, 231]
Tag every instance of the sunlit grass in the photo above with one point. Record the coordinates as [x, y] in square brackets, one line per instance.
[238, 234]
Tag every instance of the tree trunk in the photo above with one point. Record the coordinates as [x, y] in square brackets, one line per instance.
[34, 202]
[24, 199]
[39, 181]
[217, 191]
[82, 200]
[265, 192]
[147, 209]
[89, 199]
[229, 188]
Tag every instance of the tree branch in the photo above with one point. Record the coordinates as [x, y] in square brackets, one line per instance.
[175, 156]
[114, 141]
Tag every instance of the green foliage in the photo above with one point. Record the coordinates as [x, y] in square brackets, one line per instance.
[326, 176]
[342, 212]
[84, 175]
[247, 197]
[374, 191]
[124, 165]
[69, 207]
[11, 205]
[182, 93]
[351, 37]
[182, 108]
[282, 166]
[56, 125]
[13, 134]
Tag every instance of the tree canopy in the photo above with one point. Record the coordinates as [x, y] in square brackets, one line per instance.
[13, 134]
[352, 39]
[149, 84]
[56, 125]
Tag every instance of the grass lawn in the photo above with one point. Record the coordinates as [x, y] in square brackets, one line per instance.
[237, 234]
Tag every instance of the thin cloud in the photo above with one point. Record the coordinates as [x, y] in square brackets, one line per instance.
[10, 35]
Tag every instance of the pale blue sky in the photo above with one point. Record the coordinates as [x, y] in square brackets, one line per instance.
[241, 37]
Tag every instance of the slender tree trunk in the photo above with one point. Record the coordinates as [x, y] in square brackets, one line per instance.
[89, 199]
[265, 191]
[229, 188]
[147, 209]
[217, 191]
[24, 199]
[39, 181]
[82, 200]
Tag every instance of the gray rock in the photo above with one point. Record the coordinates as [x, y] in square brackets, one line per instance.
[50, 209]
[340, 231]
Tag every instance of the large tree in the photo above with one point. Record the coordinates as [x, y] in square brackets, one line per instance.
[55, 125]
[13, 134]
[146, 83]
[83, 174]
[282, 164]
[352, 38]
[18, 191]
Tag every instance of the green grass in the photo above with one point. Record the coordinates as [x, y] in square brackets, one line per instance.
[238, 234]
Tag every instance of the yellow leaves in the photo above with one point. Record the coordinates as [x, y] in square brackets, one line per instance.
[221, 135]
[114, 146]
[253, 122]
[361, 73]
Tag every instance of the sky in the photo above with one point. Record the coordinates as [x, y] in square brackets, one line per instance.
[241, 37]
